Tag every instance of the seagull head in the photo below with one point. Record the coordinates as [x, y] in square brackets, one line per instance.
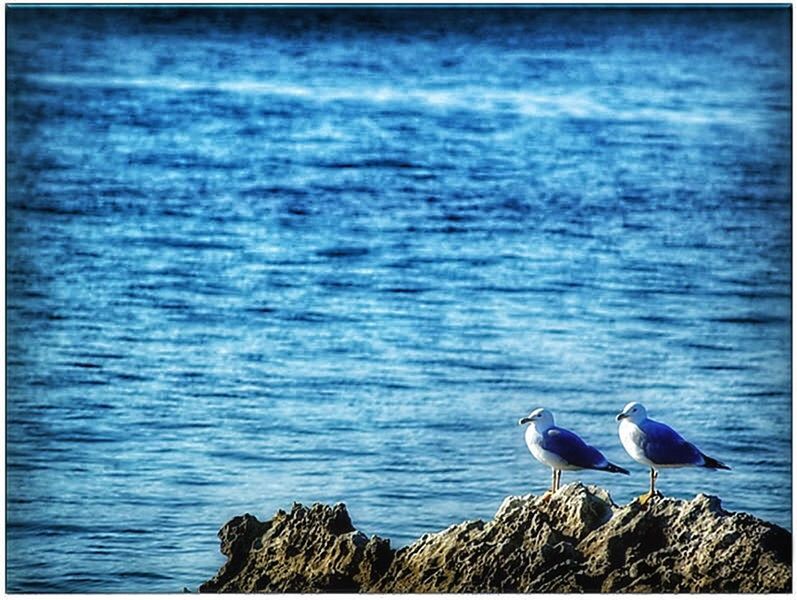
[539, 417]
[634, 412]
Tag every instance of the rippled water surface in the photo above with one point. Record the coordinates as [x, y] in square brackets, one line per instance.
[260, 256]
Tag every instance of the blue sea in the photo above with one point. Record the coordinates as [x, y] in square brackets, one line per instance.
[257, 256]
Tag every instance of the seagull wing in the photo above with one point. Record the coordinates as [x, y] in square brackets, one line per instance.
[665, 446]
[573, 449]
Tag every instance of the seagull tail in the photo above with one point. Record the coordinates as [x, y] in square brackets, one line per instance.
[713, 463]
[615, 469]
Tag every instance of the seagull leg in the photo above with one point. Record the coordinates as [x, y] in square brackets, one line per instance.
[645, 498]
[656, 493]
[556, 476]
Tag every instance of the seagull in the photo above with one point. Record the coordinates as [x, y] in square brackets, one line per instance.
[560, 449]
[657, 445]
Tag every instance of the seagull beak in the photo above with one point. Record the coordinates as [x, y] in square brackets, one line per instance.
[622, 416]
[524, 420]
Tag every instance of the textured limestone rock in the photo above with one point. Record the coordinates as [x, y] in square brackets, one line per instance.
[528, 545]
[576, 540]
[312, 549]
[693, 546]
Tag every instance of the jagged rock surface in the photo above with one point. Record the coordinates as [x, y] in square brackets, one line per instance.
[577, 540]
[309, 550]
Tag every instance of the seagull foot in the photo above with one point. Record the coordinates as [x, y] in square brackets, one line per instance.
[645, 498]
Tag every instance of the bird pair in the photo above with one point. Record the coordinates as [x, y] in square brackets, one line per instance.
[648, 442]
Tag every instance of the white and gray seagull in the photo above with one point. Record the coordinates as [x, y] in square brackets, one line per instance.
[658, 446]
[560, 449]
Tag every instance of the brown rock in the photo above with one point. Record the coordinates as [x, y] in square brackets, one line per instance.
[689, 546]
[309, 550]
[576, 540]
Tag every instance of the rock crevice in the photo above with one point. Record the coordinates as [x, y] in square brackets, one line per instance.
[576, 540]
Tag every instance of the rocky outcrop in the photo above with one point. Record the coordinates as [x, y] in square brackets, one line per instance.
[576, 540]
[309, 550]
